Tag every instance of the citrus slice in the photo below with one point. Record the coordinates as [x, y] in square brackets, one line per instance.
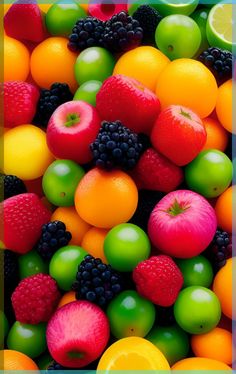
[220, 26]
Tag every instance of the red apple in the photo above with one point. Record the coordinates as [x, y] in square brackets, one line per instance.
[182, 224]
[178, 134]
[77, 334]
[71, 129]
[105, 10]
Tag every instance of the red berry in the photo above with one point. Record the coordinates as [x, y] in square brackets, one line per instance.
[126, 99]
[35, 299]
[23, 217]
[155, 172]
[158, 279]
[20, 102]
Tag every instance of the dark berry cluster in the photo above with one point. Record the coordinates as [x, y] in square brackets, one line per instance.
[87, 32]
[116, 145]
[97, 282]
[50, 100]
[53, 237]
[11, 271]
[122, 33]
[219, 250]
[148, 19]
[219, 62]
[10, 185]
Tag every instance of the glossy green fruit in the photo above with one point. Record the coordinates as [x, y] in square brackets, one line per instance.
[197, 310]
[197, 271]
[125, 246]
[44, 361]
[210, 173]
[4, 326]
[62, 16]
[31, 263]
[64, 265]
[94, 63]
[130, 315]
[178, 36]
[88, 91]
[28, 339]
[185, 7]
[200, 17]
[60, 181]
[172, 341]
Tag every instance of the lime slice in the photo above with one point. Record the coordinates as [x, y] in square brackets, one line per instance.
[166, 7]
[220, 26]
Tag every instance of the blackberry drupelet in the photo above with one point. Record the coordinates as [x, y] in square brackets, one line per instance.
[148, 19]
[219, 250]
[220, 63]
[10, 185]
[122, 33]
[53, 237]
[87, 32]
[116, 145]
[50, 100]
[97, 282]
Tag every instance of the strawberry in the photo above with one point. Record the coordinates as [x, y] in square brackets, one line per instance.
[25, 21]
[155, 172]
[20, 102]
[23, 217]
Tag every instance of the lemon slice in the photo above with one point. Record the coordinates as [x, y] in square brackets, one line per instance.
[220, 26]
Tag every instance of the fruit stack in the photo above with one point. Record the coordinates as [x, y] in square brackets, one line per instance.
[117, 182]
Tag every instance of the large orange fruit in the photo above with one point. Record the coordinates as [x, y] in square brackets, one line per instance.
[14, 360]
[224, 105]
[222, 286]
[197, 363]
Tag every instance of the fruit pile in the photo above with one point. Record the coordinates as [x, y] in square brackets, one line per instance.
[117, 181]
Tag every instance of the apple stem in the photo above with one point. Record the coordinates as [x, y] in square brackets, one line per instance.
[185, 114]
[176, 209]
[72, 119]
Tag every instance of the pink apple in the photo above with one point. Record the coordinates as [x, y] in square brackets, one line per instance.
[182, 224]
[77, 334]
[71, 129]
[105, 10]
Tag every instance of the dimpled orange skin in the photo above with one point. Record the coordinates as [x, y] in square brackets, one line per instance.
[106, 199]
[93, 242]
[224, 106]
[217, 136]
[222, 286]
[189, 83]
[14, 360]
[16, 60]
[199, 363]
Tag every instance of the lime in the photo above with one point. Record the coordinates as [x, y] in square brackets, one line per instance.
[185, 7]
[200, 17]
[219, 27]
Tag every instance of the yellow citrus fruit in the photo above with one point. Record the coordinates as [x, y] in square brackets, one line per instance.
[189, 83]
[74, 223]
[106, 199]
[224, 105]
[144, 64]
[217, 136]
[67, 298]
[45, 7]
[14, 360]
[93, 242]
[6, 7]
[216, 344]
[222, 286]
[197, 363]
[51, 61]
[26, 153]
[132, 353]
[224, 208]
[16, 60]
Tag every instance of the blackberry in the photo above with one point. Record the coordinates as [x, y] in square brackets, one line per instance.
[87, 32]
[219, 250]
[97, 282]
[11, 271]
[53, 237]
[122, 33]
[148, 19]
[219, 62]
[50, 100]
[10, 185]
[116, 145]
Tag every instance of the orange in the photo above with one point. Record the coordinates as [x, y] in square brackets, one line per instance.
[189, 83]
[223, 208]
[197, 363]
[45, 7]
[132, 353]
[144, 64]
[74, 223]
[222, 286]
[51, 61]
[217, 136]
[14, 360]
[67, 298]
[106, 199]
[216, 344]
[93, 242]
[16, 60]
[224, 105]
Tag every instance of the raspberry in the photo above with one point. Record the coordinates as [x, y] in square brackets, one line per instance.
[11, 185]
[35, 299]
[158, 279]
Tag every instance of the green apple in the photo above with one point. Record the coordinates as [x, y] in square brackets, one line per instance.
[197, 271]
[31, 263]
[200, 17]
[185, 7]
[4, 327]
[88, 91]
